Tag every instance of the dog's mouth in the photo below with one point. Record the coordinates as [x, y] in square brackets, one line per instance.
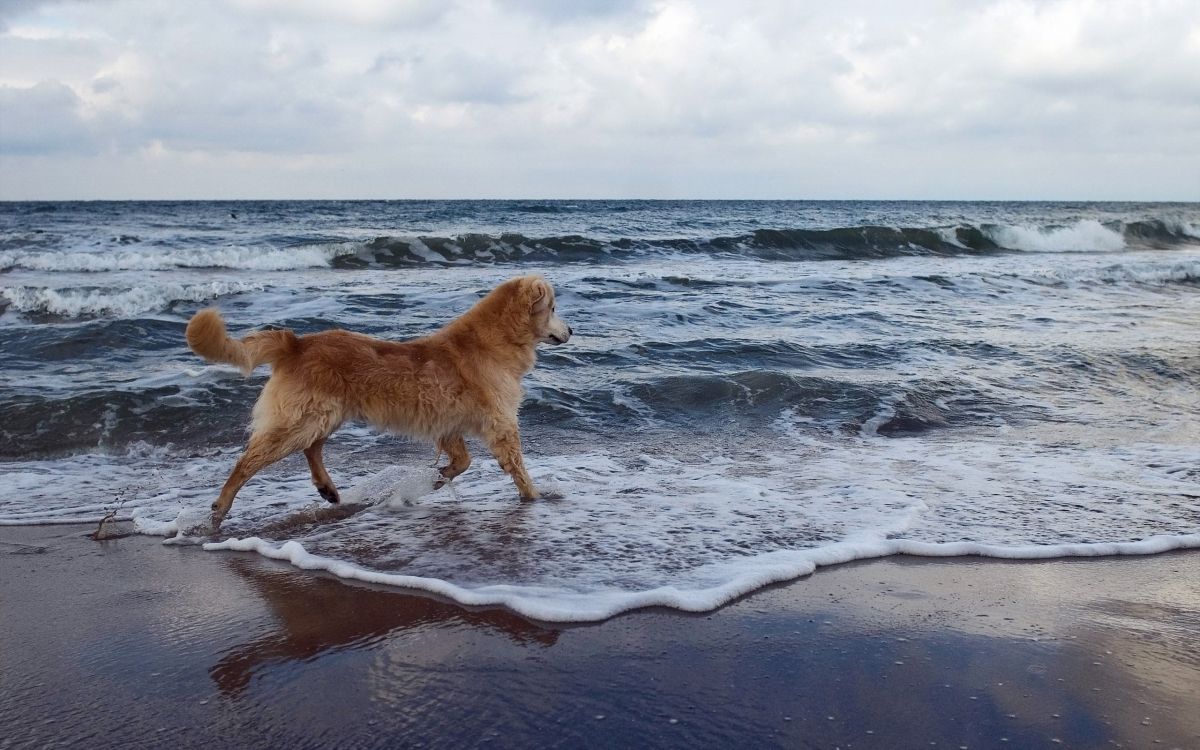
[554, 337]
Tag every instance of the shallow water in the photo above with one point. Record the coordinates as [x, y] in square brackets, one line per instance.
[753, 390]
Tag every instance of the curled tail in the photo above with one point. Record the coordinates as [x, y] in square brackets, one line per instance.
[206, 335]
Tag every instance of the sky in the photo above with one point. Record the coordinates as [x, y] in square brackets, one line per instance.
[870, 99]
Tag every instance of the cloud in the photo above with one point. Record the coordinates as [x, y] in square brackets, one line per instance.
[16, 8]
[612, 97]
[367, 13]
[42, 119]
[578, 10]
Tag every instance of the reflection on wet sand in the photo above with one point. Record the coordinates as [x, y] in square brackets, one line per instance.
[135, 644]
[316, 615]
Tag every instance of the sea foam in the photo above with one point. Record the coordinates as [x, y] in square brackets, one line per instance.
[636, 531]
[119, 301]
[161, 259]
[1087, 235]
[565, 605]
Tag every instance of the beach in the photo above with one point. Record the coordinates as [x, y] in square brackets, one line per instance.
[835, 474]
[133, 643]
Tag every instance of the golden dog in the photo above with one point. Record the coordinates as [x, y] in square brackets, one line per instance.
[464, 379]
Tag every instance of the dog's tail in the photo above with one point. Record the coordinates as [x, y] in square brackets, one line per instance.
[206, 335]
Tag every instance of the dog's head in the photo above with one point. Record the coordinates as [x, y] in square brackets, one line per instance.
[536, 294]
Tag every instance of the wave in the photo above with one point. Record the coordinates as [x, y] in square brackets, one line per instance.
[39, 347]
[1146, 274]
[850, 388]
[859, 243]
[1162, 232]
[106, 419]
[848, 243]
[544, 208]
[1085, 236]
[164, 259]
[115, 415]
[754, 398]
[89, 301]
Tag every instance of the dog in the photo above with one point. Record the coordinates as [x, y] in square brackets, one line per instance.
[462, 380]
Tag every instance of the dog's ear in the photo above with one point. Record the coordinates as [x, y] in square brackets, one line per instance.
[539, 293]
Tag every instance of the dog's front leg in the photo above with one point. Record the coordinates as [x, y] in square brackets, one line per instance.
[265, 448]
[505, 445]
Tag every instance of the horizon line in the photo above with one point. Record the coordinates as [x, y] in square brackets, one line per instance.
[597, 200]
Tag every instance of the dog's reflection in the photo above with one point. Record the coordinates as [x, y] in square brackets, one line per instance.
[317, 615]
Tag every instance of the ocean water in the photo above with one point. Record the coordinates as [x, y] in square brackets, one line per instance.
[754, 389]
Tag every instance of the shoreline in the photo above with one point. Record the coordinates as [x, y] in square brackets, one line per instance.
[798, 565]
[133, 642]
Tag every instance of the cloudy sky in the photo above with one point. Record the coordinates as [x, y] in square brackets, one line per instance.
[974, 99]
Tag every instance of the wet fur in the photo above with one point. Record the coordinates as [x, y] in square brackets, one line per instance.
[463, 380]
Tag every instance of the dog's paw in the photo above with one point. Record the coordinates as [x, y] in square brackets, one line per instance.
[329, 493]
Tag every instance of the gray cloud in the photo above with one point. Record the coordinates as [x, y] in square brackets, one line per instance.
[15, 8]
[560, 12]
[42, 119]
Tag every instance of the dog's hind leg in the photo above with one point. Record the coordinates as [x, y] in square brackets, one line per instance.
[265, 448]
[505, 445]
[456, 449]
[320, 477]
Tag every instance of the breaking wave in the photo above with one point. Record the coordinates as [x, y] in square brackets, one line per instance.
[164, 259]
[849, 243]
[122, 301]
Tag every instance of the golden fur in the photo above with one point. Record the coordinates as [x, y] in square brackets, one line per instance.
[463, 380]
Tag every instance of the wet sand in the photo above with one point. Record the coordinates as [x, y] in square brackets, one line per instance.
[129, 642]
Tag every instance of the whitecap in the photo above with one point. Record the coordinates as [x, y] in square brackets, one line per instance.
[1087, 235]
[118, 301]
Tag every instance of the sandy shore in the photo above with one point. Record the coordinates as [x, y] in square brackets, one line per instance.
[132, 643]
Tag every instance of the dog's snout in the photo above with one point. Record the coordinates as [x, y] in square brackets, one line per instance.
[570, 331]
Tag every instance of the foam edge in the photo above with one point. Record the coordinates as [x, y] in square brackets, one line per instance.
[563, 606]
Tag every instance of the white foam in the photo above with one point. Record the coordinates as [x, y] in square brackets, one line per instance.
[187, 524]
[565, 605]
[426, 253]
[949, 235]
[1150, 273]
[122, 301]
[160, 259]
[660, 531]
[1087, 235]
[395, 486]
[1185, 228]
[686, 525]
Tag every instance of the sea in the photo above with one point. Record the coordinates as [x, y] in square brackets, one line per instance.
[753, 390]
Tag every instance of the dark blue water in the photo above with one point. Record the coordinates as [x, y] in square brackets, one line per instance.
[751, 385]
